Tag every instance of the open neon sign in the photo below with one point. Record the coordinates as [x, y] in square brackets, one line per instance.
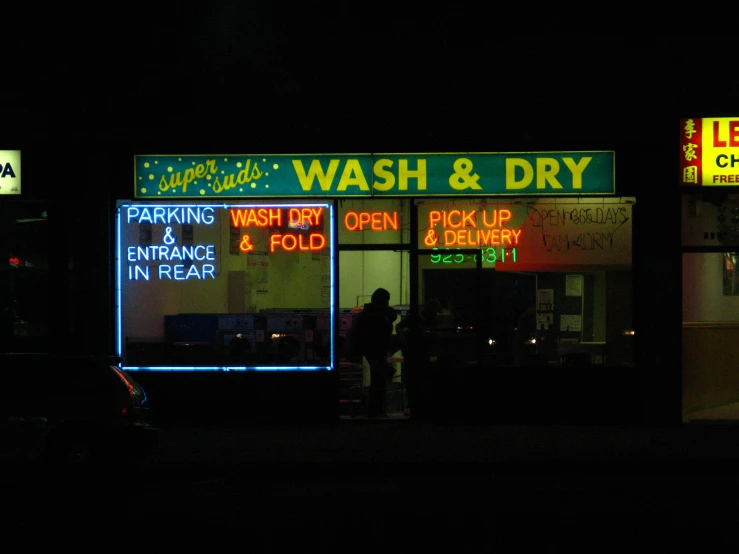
[373, 221]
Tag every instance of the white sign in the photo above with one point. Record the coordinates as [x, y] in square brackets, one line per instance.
[573, 285]
[10, 171]
[570, 322]
[545, 300]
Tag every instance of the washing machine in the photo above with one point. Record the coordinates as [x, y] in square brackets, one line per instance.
[242, 338]
[289, 341]
[242, 321]
[346, 319]
[351, 389]
[190, 328]
[241, 341]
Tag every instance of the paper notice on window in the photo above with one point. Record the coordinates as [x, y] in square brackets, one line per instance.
[570, 322]
[573, 285]
[257, 266]
[543, 321]
[545, 300]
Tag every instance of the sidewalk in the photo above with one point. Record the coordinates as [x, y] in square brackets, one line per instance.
[391, 480]
[728, 413]
[379, 443]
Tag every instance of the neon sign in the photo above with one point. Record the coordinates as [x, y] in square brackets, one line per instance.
[374, 221]
[140, 257]
[488, 255]
[289, 242]
[480, 237]
[468, 218]
[178, 272]
[464, 228]
[297, 221]
[258, 217]
[302, 218]
[173, 259]
[173, 215]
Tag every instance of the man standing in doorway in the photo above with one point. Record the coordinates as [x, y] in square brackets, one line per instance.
[374, 328]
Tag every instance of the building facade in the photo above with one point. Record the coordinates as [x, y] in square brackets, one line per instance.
[167, 262]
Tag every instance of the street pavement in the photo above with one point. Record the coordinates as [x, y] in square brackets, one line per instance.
[362, 485]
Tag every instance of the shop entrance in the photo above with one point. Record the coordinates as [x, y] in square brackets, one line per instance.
[490, 303]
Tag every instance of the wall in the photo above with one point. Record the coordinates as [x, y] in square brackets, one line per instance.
[710, 355]
[360, 273]
[710, 334]
[699, 217]
[703, 298]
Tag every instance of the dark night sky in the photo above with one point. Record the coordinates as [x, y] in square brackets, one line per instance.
[361, 80]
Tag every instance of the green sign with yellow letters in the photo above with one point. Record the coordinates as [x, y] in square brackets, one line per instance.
[378, 175]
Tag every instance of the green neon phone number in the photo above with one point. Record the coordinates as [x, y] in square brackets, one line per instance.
[489, 255]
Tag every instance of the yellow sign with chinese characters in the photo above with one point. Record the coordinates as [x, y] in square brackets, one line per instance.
[709, 151]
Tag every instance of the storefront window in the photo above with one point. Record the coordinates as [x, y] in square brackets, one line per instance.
[225, 286]
[710, 240]
[710, 220]
[361, 272]
[26, 282]
[710, 287]
[710, 330]
[535, 279]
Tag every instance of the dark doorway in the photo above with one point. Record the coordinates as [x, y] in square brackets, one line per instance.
[493, 310]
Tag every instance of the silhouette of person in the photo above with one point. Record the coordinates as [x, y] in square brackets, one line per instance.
[417, 343]
[374, 329]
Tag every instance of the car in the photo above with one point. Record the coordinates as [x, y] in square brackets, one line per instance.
[72, 411]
